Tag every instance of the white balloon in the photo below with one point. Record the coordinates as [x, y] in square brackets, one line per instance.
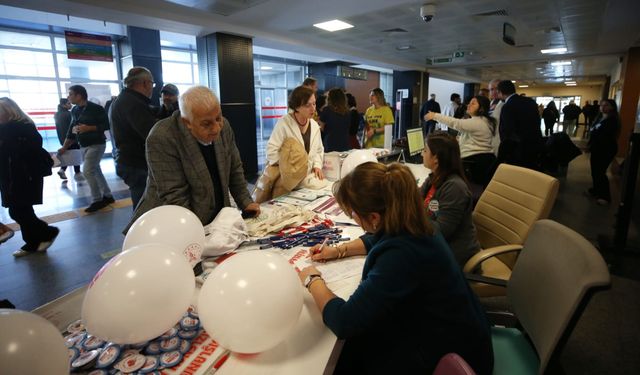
[251, 301]
[169, 225]
[139, 294]
[30, 344]
[354, 159]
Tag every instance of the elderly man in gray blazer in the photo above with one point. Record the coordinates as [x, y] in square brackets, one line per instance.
[194, 162]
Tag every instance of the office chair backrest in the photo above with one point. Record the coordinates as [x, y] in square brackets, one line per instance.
[551, 283]
[513, 201]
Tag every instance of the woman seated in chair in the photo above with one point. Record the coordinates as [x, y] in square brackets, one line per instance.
[447, 197]
[413, 304]
[476, 135]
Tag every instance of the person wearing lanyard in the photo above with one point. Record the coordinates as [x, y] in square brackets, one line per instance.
[413, 304]
[447, 197]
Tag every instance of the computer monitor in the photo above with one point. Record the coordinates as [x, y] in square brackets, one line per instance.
[415, 139]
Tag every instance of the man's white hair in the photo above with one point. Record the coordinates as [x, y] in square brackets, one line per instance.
[197, 97]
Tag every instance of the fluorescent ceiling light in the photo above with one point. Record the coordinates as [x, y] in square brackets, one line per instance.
[571, 84]
[266, 67]
[560, 63]
[513, 81]
[333, 25]
[554, 50]
[523, 86]
[404, 48]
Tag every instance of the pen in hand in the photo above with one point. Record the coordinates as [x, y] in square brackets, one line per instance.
[319, 250]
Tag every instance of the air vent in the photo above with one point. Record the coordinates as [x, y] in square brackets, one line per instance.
[524, 46]
[498, 12]
[395, 30]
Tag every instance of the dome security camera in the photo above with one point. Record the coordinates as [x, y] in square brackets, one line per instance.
[427, 12]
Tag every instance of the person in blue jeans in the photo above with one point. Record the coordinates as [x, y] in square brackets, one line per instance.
[89, 121]
[413, 304]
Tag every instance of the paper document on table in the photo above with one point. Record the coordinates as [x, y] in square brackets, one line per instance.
[332, 271]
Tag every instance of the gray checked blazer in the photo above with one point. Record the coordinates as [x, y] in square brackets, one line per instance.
[178, 174]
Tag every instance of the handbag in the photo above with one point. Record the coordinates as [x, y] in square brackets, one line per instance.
[43, 162]
[263, 190]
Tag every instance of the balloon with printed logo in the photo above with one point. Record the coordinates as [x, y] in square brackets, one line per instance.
[170, 225]
[30, 344]
[139, 294]
[354, 159]
[251, 301]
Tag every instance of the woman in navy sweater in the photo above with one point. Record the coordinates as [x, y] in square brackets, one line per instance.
[413, 304]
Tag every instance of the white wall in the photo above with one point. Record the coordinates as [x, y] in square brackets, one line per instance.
[443, 90]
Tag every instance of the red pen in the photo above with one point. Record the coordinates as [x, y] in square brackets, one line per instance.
[222, 358]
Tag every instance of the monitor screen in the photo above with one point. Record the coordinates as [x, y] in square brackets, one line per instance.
[415, 140]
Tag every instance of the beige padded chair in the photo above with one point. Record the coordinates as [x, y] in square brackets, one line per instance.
[513, 201]
[548, 307]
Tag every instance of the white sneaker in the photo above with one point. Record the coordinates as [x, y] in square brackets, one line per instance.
[78, 177]
[20, 253]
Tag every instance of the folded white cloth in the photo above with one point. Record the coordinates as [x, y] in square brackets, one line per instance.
[225, 233]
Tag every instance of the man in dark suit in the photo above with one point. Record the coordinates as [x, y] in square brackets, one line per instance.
[520, 136]
[429, 106]
[194, 162]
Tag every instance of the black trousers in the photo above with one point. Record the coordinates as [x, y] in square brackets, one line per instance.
[479, 168]
[600, 160]
[548, 127]
[33, 229]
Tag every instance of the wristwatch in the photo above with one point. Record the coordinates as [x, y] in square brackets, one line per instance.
[311, 278]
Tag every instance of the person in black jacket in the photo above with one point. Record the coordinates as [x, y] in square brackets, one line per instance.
[21, 177]
[88, 123]
[520, 136]
[131, 119]
[429, 106]
[62, 119]
[550, 115]
[603, 145]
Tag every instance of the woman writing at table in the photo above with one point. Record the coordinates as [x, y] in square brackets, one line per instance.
[447, 197]
[413, 304]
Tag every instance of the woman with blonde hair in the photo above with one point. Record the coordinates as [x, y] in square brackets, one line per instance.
[412, 294]
[21, 176]
[376, 118]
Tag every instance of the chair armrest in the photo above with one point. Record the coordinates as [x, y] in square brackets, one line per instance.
[503, 319]
[474, 262]
[485, 279]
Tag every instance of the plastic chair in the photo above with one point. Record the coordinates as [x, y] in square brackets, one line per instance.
[453, 364]
[555, 276]
[513, 201]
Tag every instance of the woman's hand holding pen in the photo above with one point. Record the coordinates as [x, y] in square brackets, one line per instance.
[322, 252]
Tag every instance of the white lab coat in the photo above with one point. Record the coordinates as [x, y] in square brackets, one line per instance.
[287, 127]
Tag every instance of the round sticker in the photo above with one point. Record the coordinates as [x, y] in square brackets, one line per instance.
[434, 205]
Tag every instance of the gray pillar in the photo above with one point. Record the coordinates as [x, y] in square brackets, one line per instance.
[225, 63]
[142, 48]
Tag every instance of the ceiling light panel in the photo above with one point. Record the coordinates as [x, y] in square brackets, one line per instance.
[333, 25]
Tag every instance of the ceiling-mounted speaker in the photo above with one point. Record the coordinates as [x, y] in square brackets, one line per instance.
[509, 34]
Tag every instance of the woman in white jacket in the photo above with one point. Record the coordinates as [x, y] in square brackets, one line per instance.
[476, 137]
[299, 124]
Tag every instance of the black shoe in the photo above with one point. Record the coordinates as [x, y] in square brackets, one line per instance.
[95, 206]
[43, 246]
[108, 200]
